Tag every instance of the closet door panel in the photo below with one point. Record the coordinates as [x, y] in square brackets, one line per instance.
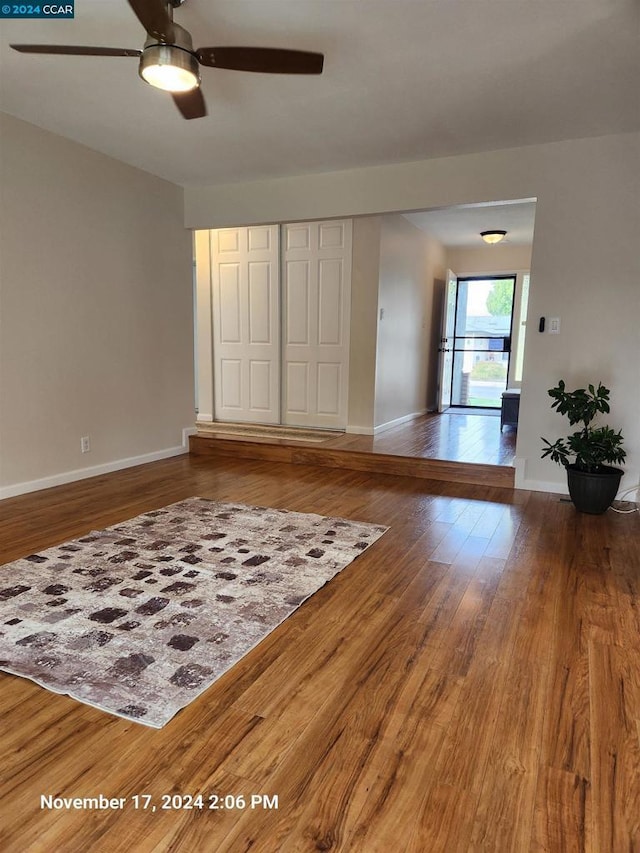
[316, 281]
[246, 324]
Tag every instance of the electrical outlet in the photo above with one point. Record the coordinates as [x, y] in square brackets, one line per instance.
[85, 444]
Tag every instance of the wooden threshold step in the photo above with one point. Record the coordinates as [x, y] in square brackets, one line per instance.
[227, 429]
[355, 460]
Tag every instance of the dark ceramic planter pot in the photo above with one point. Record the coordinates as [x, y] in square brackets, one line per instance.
[593, 493]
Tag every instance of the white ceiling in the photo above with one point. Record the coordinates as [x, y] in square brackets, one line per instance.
[460, 226]
[404, 80]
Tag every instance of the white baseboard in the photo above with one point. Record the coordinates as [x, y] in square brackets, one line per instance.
[205, 417]
[542, 486]
[403, 420]
[359, 430]
[95, 471]
[523, 482]
[561, 487]
[354, 429]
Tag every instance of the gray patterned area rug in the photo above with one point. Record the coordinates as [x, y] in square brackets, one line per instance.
[141, 618]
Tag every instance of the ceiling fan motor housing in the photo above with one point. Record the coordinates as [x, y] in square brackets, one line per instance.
[178, 55]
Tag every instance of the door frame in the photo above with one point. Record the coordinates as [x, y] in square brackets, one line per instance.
[447, 330]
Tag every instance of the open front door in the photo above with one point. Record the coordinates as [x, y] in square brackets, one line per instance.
[446, 342]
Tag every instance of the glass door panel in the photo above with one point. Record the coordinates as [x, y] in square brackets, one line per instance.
[482, 341]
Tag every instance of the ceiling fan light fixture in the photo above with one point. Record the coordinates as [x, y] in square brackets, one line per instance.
[493, 237]
[169, 62]
[170, 68]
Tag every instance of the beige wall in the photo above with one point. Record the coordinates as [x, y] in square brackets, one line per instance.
[585, 266]
[486, 260]
[203, 326]
[409, 262]
[96, 334]
[365, 276]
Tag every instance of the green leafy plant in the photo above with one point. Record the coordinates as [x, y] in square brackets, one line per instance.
[500, 298]
[590, 448]
[489, 370]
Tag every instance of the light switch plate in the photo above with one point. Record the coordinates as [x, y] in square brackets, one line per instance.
[554, 325]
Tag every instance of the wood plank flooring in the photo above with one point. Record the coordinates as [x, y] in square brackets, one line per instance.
[472, 682]
[453, 435]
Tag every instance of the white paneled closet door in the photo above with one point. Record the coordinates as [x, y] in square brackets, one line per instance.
[246, 324]
[316, 304]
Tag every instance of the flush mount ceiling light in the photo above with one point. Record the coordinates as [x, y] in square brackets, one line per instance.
[493, 237]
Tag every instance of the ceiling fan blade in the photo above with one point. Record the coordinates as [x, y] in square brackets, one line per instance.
[76, 50]
[268, 60]
[191, 104]
[154, 17]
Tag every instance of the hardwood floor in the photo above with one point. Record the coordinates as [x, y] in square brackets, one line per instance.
[453, 435]
[472, 682]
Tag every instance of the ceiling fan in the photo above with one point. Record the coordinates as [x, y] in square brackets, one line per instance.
[169, 61]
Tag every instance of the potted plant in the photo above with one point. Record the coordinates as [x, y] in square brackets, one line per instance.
[593, 484]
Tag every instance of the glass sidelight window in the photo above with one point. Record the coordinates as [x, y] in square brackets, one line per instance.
[482, 340]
